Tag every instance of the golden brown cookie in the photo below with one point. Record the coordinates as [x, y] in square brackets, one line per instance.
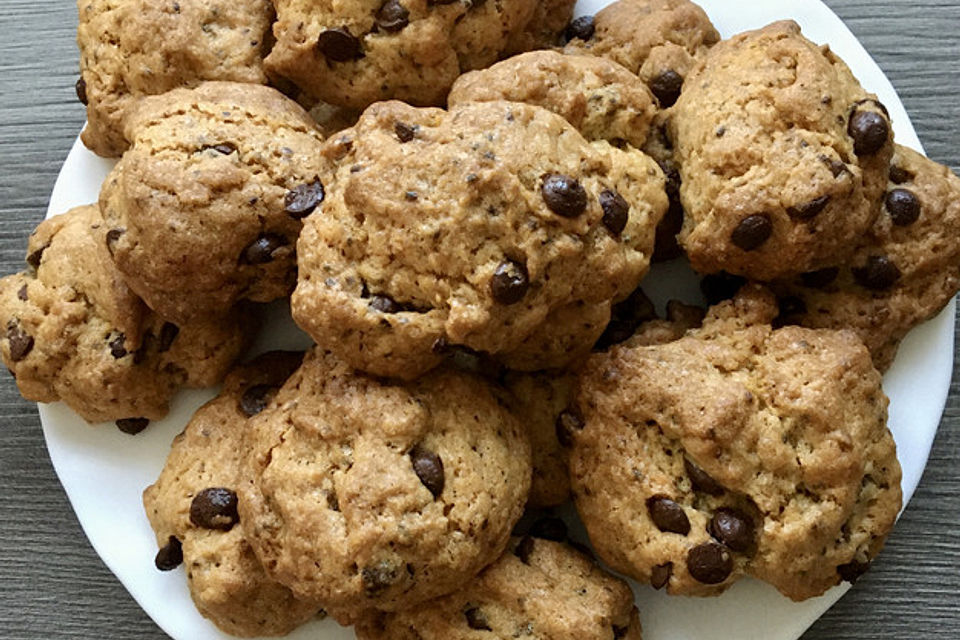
[354, 54]
[736, 450]
[783, 156]
[75, 332]
[205, 208]
[904, 271]
[472, 228]
[540, 590]
[192, 508]
[364, 494]
[134, 48]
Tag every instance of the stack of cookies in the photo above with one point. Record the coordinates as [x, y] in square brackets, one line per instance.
[460, 199]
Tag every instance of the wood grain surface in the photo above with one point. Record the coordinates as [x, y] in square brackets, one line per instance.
[52, 584]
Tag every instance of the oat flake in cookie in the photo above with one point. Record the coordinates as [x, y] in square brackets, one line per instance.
[363, 494]
[740, 450]
[205, 208]
[193, 506]
[538, 589]
[470, 228]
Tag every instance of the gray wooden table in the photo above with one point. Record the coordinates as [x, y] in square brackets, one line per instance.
[52, 584]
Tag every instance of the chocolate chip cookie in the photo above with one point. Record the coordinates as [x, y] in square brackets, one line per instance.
[354, 54]
[363, 494]
[75, 332]
[736, 450]
[782, 153]
[600, 98]
[134, 48]
[472, 228]
[539, 590]
[192, 508]
[903, 272]
[206, 206]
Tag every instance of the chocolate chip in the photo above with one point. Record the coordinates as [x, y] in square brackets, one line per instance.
[668, 515]
[721, 286]
[809, 210]
[625, 318]
[524, 549]
[565, 196]
[553, 529]
[21, 343]
[429, 468]
[709, 563]
[701, 480]
[616, 211]
[81, 88]
[303, 199]
[879, 274]
[117, 349]
[733, 528]
[170, 555]
[379, 577]
[392, 16]
[34, 259]
[510, 282]
[899, 175]
[339, 45]
[256, 398]
[168, 333]
[112, 236]
[903, 206]
[852, 571]
[214, 508]
[660, 575]
[132, 426]
[667, 87]
[581, 28]
[870, 132]
[752, 232]
[836, 167]
[568, 423]
[261, 250]
[476, 619]
[405, 132]
[385, 304]
[820, 278]
[22, 293]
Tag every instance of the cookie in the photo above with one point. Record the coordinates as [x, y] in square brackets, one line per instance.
[75, 332]
[134, 48]
[540, 589]
[546, 29]
[601, 99]
[736, 450]
[193, 507]
[205, 208]
[659, 40]
[787, 177]
[364, 494]
[903, 272]
[471, 228]
[355, 54]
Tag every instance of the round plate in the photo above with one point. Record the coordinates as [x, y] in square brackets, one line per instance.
[105, 471]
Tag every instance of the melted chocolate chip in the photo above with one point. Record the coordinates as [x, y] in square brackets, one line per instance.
[476, 619]
[339, 45]
[170, 556]
[81, 88]
[256, 398]
[878, 274]
[701, 480]
[752, 232]
[553, 529]
[132, 426]
[581, 28]
[117, 349]
[709, 563]
[509, 283]
[379, 577]
[405, 132]
[524, 549]
[429, 468]
[870, 132]
[304, 199]
[852, 571]
[21, 343]
[214, 508]
[568, 423]
[809, 210]
[385, 304]
[565, 196]
[667, 515]
[660, 575]
[168, 333]
[820, 279]
[903, 207]
[392, 16]
[733, 528]
[616, 211]
[899, 175]
[261, 250]
[667, 87]
[721, 286]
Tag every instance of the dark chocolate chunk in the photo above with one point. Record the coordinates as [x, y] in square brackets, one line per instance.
[214, 508]
[117, 348]
[476, 620]
[903, 207]
[899, 175]
[168, 333]
[852, 571]
[820, 278]
[339, 45]
[549, 528]
[21, 343]
[809, 210]
[81, 88]
[701, 480]
[565, 196]
[405, 132]
[510, 282]
[568, 423]
[616, 211]
[261, 250]
[668, 515]
[878, 274]
[660, 575]
[132, 426]
[836, 167]
[752, 232]
[667, 87]
[392, 16]
[733, 528]
[170, 556]
[256, 398]
[429, 468]
[709, 563]
[870, 132]
[581, 28]
[304, 199]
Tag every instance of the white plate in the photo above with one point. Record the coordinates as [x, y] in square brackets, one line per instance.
[104, 471]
